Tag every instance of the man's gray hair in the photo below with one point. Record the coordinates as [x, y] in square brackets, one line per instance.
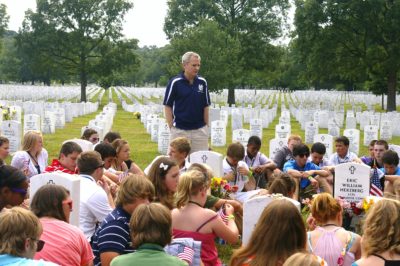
[186, 57]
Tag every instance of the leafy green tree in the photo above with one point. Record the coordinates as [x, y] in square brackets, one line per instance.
[252, 23]
[73, 32]
[3, 20]
[218, 51]
[353, 41]
[114, 59]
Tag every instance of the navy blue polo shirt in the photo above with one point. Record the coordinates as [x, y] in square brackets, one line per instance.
[187, 101]
[113, 235]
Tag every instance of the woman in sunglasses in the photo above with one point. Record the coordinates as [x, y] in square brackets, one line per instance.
[13, 186]
[90, 135]
[20, 232]
[65, 243]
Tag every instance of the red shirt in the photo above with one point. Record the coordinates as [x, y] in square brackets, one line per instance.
[56, 166]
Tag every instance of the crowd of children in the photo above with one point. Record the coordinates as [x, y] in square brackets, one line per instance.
[118, 224]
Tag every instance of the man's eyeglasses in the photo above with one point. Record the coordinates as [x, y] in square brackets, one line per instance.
[69, 203]
[303, 155]
[21, 191]
[40, 244]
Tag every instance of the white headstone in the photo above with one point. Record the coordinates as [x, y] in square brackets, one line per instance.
[351, 122]
[352, 181]
[256, 127]
[210, 158]
[16, 113]
[282, 131]
[323, 119]
[241, 135]
[327, 140]
[214, 114]
[237, 119]
[70, 182]
[375, 120]
[60, 117]
[311, 131]
[354, 137]
[218, 133]
[252, 210]
[12, 130]
[163, 138]
[49, 123]
[370, 133]
[154, 128]
[224, 116]
[31, 122]
[275, 145]
[386, 130]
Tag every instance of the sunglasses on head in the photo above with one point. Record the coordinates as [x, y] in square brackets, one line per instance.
[21, 191]
[40, 244]
[69, 203]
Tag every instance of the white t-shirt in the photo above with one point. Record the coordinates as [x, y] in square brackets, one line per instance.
[240, 180]
[94, 206]
[21, 160]
[334, 159]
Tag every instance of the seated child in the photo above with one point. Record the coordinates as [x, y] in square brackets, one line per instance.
[258, 163]
[390, 161]
[237, 173]
[151, 231]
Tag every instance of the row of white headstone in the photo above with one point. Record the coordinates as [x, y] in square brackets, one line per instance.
[41, 116]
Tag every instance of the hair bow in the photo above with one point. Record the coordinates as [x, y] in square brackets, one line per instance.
[164, 166]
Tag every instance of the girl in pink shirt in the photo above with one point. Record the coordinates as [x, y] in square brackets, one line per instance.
[65, 243]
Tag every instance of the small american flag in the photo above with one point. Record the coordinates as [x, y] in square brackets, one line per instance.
[376, 187]
[187, 254]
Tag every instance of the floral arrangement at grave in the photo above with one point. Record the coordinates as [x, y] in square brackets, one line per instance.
[221, 188]
[7, 113]
[137, 115]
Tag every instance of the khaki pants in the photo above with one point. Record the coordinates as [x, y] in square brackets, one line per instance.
[198, 137]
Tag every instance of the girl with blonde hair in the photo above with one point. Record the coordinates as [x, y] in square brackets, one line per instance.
[32, 159]
[191, 219]
[381, 238]
[279, 233]
[329, 240]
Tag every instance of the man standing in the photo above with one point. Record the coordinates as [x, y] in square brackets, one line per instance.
[187, 102]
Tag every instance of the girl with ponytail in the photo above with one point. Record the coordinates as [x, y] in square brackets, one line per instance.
[191, 219]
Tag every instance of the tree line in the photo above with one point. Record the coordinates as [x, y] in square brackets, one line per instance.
[344, 45]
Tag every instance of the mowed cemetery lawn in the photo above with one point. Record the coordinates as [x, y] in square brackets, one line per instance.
[143, 150]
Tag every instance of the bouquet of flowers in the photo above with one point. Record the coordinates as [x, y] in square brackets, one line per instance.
[7, 113]
[221, 188]
[137, 115]
[306, 210]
